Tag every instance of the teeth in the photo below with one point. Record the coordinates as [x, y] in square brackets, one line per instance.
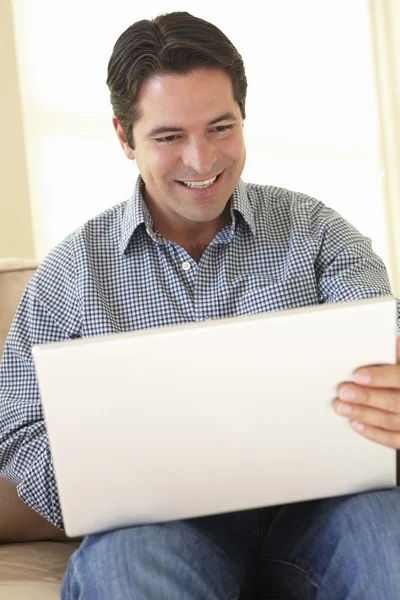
[199, 184]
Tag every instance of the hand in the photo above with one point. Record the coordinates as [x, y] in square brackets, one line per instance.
[372, 403]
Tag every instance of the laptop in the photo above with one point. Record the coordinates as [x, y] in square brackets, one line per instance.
[212, 417]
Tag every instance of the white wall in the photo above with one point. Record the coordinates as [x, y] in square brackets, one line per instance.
[311, 122]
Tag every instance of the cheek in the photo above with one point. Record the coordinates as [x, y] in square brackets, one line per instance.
[155, 163]
[234, 150]
[162, 162]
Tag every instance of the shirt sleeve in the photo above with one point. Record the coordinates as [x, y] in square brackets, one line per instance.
[346, 266]
[47, 312]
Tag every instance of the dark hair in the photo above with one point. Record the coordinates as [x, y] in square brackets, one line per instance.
[176, 42]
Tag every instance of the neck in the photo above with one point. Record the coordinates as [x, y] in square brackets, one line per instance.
[193, 237]
[196, 251]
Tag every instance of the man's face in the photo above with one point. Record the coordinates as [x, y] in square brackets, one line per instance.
[190, 131]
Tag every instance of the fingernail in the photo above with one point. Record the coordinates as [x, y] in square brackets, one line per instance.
[362, 377]
[347, 393]
[344, 409]
[357, 426]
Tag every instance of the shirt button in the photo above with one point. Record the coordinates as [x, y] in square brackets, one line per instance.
[186, 266]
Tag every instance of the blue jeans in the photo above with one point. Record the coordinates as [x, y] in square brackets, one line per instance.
[343, 548]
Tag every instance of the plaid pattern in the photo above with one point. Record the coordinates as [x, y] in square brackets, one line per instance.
[282, 250]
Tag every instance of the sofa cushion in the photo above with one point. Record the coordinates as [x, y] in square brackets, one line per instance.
[33, 571]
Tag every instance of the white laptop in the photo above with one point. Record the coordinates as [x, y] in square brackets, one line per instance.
[204, 418]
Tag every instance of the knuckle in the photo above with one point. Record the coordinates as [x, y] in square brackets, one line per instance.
[395, 402]
[391, 421]
[359, 413]
[365, 396]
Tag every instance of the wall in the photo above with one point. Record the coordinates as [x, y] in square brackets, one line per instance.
[312, 116]
[385, 27]
[16, 237]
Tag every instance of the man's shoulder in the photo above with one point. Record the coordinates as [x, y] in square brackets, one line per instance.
[282, 204]
[98, 235]
[108, 222]
[282, 196]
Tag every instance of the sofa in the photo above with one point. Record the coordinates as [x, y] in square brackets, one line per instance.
[33, 553]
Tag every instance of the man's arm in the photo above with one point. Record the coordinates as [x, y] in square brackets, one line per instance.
[346, 266]
[348, 269]
[47, 313]
[19, 523]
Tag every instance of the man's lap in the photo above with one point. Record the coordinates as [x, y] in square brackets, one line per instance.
[345, 547]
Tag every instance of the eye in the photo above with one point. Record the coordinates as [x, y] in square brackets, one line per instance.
[223, 128]
[166, 140]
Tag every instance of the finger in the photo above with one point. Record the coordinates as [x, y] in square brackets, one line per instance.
[398, 348]
[382, 399]
[390, 439]
[369, 416]
[385, 376]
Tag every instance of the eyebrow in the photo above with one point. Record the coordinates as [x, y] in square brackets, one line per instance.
[227, 116]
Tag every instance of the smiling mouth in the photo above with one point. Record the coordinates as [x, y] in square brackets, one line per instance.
[200, 185]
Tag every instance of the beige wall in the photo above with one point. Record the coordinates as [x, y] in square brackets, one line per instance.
[16, 237]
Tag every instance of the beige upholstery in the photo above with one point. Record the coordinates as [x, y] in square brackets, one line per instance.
[29, 570]
[34, 570]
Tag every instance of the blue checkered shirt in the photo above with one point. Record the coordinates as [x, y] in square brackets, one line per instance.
[281, 250]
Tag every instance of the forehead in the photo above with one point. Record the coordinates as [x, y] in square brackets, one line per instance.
[201, 94]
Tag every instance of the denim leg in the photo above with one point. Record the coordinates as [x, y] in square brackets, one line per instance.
[210, 558]
[345, 548]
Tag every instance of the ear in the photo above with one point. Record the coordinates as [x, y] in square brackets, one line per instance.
[129, 152]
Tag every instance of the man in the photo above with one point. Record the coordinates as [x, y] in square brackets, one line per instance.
[196, 242]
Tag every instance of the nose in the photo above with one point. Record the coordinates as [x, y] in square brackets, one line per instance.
[199, 155]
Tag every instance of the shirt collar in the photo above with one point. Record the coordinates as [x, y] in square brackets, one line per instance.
[240, 203]
[137, 213]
